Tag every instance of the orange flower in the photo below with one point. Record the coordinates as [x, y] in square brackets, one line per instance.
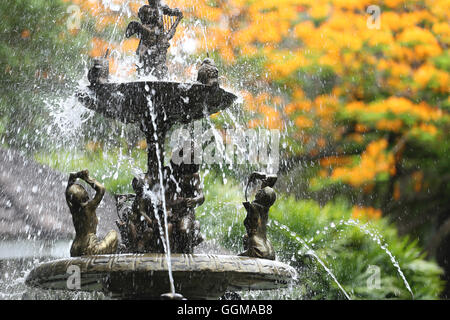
[25, 34]
[303, 122]
[364, 213]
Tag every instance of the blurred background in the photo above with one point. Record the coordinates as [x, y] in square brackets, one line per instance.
[358, 89]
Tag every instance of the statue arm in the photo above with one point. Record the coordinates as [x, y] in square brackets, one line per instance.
[188, 202]
[171, 202]
[199, 199]
[176, 13]
[72, 179]
[268, 180]
[74, 176]
[257, 175]
[199, 196]
[133, 28]
[99, 189]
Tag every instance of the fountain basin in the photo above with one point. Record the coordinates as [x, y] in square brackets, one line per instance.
[173, 102]
[145, 276]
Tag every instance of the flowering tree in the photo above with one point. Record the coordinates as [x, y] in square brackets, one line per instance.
[367, 103]
[363, 102]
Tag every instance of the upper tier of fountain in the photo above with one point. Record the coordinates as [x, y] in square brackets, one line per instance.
[172, 102]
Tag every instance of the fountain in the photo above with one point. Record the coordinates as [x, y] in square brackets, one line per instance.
[157, 224]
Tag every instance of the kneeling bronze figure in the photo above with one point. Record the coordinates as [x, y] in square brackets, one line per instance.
[256, 244]
[85, 219]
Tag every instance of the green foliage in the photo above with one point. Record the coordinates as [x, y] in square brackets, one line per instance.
[38, 55]
[346, 250]
[114, 169]
[443, 61]
[317, 80]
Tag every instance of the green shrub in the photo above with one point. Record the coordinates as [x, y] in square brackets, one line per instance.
[114, 169]
[347, 250]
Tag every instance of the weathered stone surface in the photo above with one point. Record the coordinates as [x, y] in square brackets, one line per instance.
[146, 275]
[33, 205]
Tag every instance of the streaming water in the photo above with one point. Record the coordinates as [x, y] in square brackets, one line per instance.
[311, 252]
[163, 199]
[379, 241]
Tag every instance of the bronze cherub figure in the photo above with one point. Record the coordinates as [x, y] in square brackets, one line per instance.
[137, 222]
[183, 194]
[208, 73]
[85, 219]
[256, 244]
[152, 49]
[99, 72]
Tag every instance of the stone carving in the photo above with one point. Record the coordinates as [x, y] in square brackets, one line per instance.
[154, 39]
[85, 219]
[255, 241]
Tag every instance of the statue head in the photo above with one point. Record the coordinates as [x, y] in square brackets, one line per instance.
[208, 61]
[150, 14]
[266, 197]
[99, 73]
[76, 194]
[138, 184]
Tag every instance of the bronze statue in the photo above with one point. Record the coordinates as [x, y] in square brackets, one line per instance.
[138, 224]
[173, 193]
[256, 244]
[99, 72]
[124, 204]
[137, 221]
[85, 219]
[152, 50]
[144, 226]
[208, 73]
[183, 194]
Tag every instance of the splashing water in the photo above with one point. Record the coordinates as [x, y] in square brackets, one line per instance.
[163, 198]
[310, 252]
[377, 238]
[374, 236]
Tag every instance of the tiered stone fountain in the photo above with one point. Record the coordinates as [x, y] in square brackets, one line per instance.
[155, 240]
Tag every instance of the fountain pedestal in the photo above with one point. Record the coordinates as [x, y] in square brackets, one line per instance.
[144, 276]
[155, 106]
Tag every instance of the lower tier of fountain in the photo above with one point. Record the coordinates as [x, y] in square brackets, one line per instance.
[145, 276]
